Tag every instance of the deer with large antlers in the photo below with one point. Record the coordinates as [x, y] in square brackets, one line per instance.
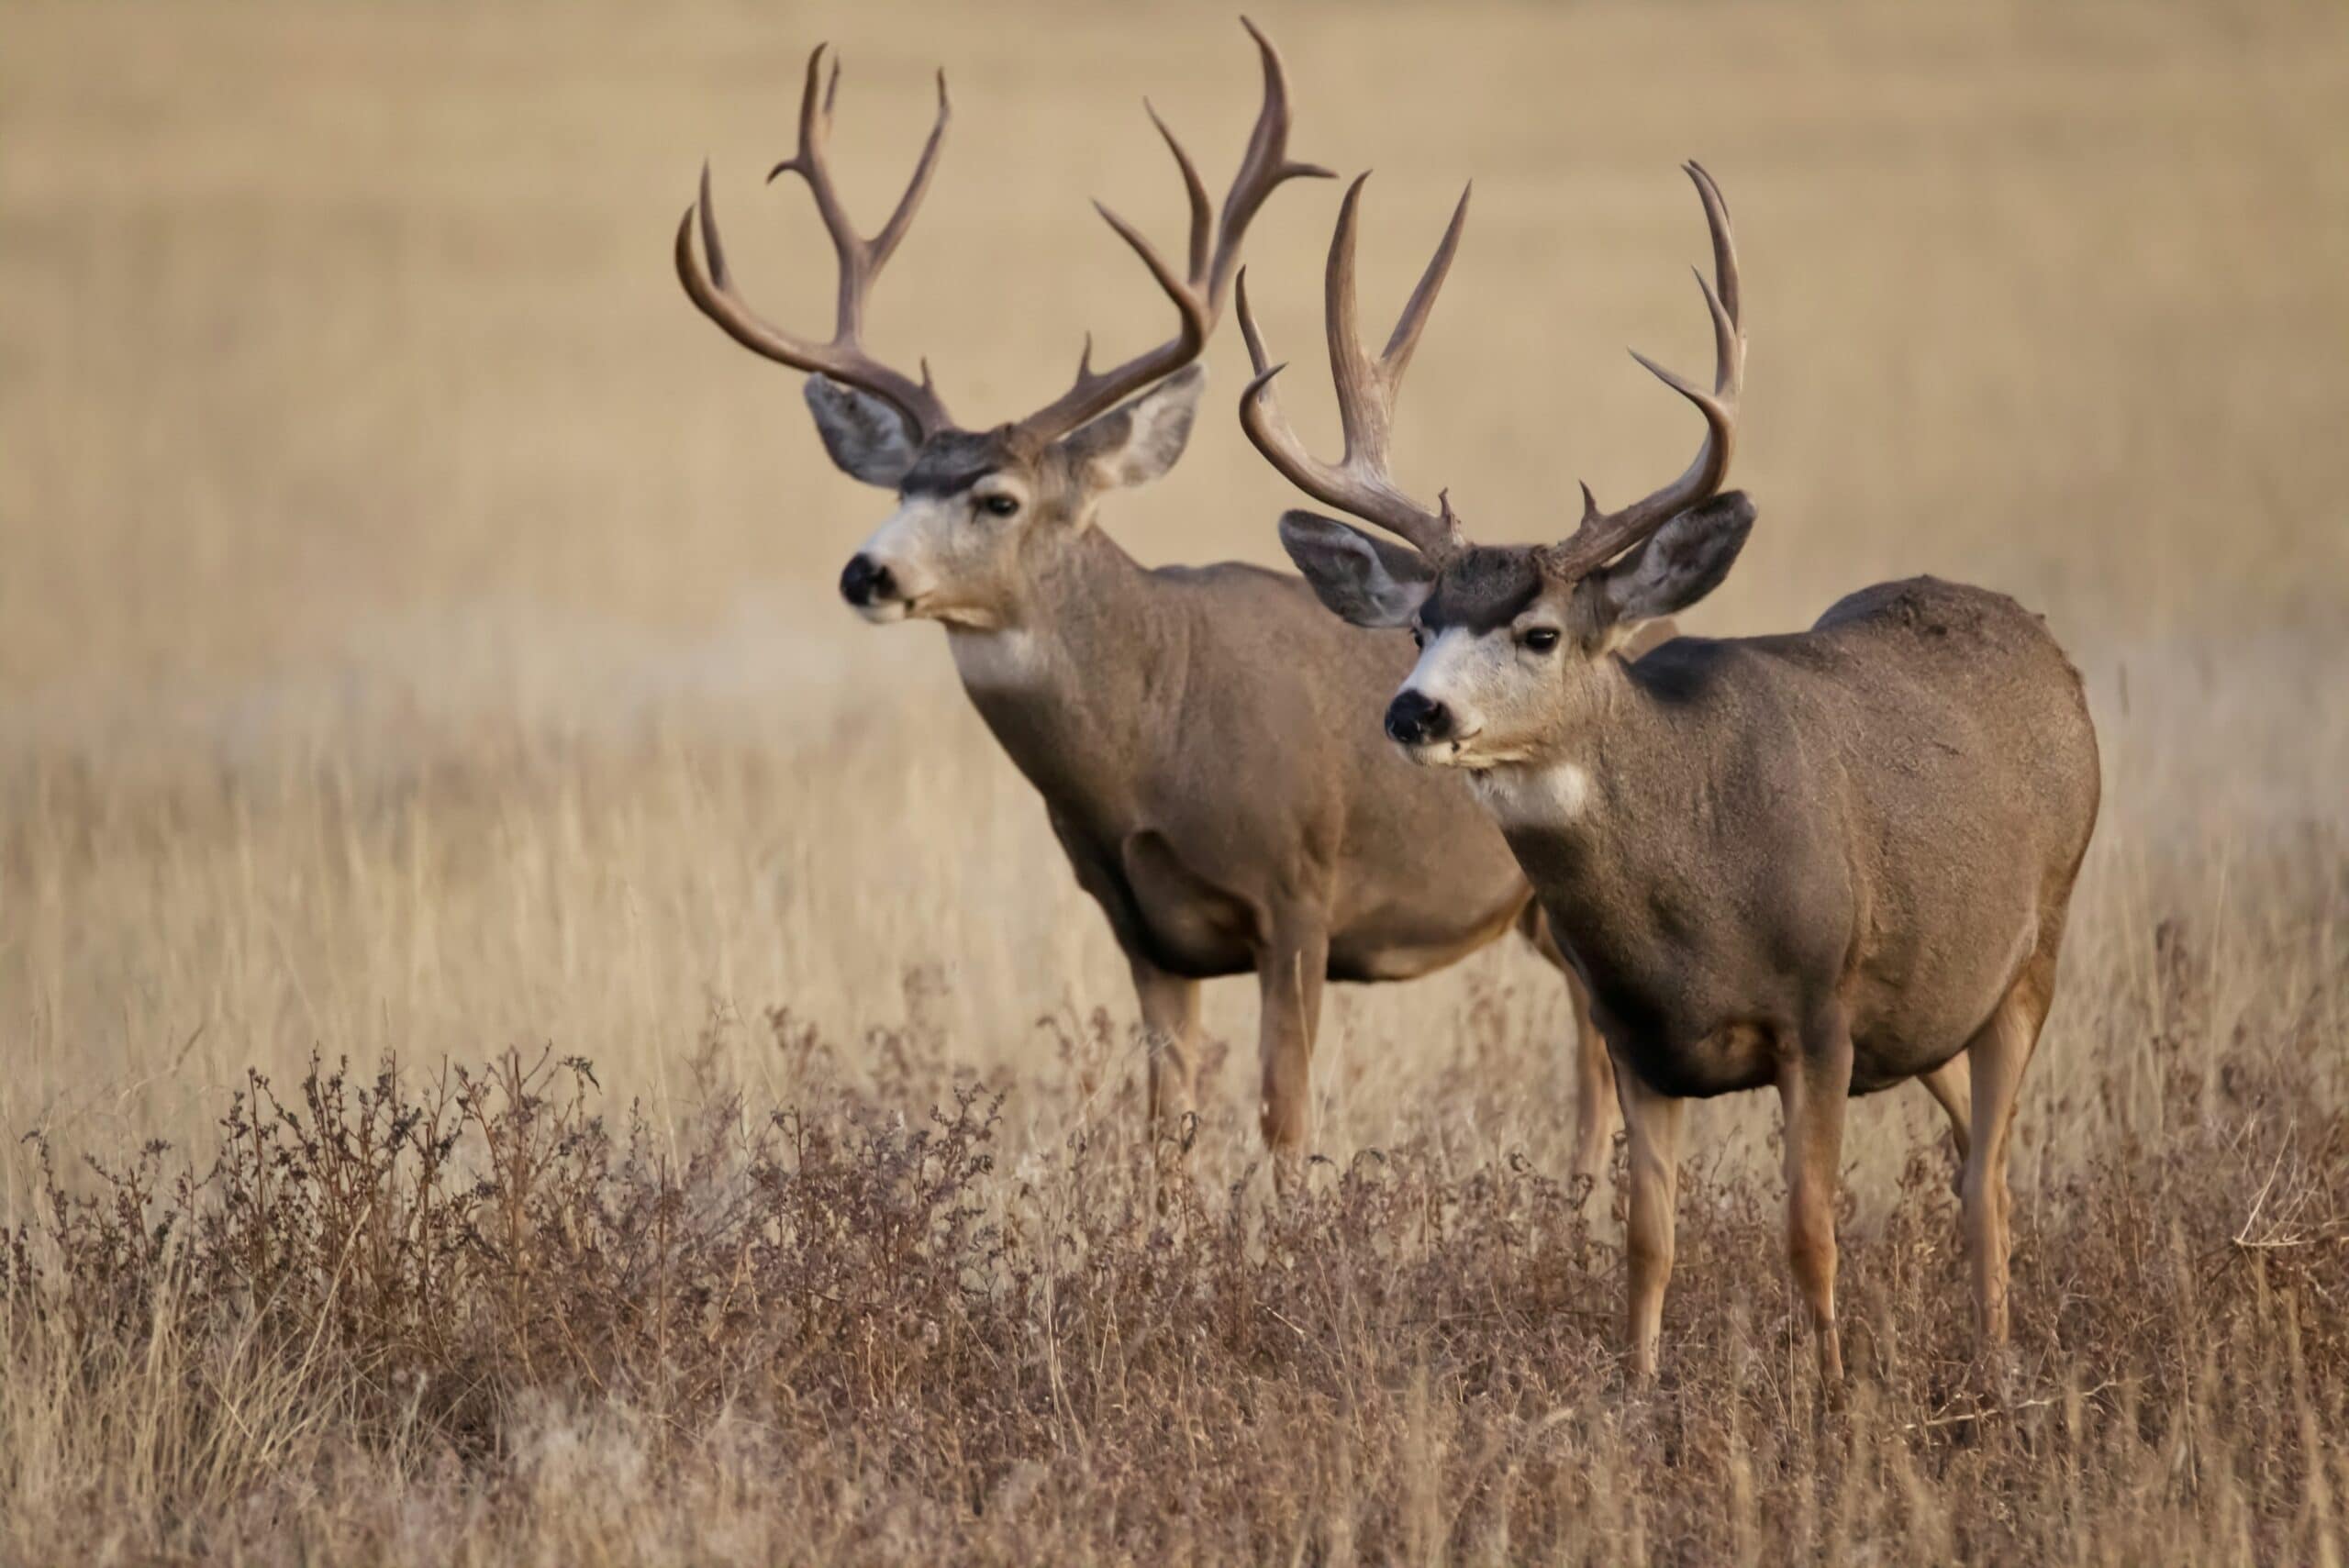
[1197, 733]
[1822, 864]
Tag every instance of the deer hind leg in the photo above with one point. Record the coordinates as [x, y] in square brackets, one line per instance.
[1999, 1049]
[1952, 1085]
[1595, 1096]
[1289, 973]
[1170, 1033]
[1814, 1087]
[1653, 1123]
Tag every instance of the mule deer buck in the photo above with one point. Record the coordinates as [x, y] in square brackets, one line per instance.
[1199, 734]
[1821, 863]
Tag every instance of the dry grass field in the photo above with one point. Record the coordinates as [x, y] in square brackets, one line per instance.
[418, 652]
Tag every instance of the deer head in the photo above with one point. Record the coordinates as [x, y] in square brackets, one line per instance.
[1510, 636]
[981, 512]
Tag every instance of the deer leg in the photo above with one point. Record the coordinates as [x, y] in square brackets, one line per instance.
[1594, 1068]
[1999, 1049]
[1654, 1122]
[1170, 1033]
[1594, 1095]
[1289, 973]
[1814, 1087]
[1952, 1085]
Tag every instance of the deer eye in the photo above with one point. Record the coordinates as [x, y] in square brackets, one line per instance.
[1541, 638]
[998, 505]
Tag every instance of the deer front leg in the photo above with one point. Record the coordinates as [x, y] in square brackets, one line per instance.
[1289, 973]
[1594, 1067]
[1814, 1087]
[1595, 1095]
[1653, 1121]
[1170, 1034]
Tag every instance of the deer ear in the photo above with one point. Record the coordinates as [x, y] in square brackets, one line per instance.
[866, 437]
[1680, 563]
[1137, 441]
[1364, 580]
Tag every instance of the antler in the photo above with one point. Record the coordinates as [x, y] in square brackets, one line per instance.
[1602, 537]
[1199, 294]
[1360, 483]
[861, 261]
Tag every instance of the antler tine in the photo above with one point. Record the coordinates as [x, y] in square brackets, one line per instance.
[1362, 481]
[861, 260]
[901, 218]
[1213, 257]
[1262, 168]
[1601, 537]
[1709, 191]
[1194, 189]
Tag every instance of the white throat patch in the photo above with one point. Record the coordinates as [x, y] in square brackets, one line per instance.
[1533, 795]
[1009, 660]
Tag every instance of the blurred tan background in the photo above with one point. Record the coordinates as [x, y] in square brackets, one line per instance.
[417, 627]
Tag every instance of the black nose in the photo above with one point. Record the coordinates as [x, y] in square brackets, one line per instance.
[864, 581]
[1414, 720]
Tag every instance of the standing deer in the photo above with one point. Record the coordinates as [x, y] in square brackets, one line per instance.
[1198, 733]
[1821, 863]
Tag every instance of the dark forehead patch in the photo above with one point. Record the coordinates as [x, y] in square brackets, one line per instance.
[953, 461]
[1483, 589]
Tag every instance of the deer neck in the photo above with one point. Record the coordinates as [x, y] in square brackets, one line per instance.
[1606, 813]
[1065, 684]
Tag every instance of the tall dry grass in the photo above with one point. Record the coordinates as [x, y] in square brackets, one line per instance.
[415, 642]
[482, 1315]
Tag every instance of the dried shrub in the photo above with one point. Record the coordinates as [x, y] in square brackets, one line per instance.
[482, 1301]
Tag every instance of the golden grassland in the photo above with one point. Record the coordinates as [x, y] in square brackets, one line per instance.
[417, 644]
